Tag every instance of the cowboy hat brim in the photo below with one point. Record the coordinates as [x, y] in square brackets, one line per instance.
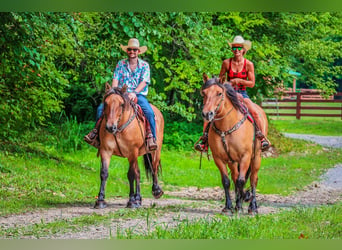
[246, 44]
[142, 49]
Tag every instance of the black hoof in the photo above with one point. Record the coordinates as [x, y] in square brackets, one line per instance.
[247, 196]
[228, 211]
[133, 204]
[252, 211]
[100, 204]
[157, 193]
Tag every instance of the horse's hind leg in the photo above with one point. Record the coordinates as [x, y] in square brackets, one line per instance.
[134, 190]
[253, 207]
[100, 202]
[156, 189]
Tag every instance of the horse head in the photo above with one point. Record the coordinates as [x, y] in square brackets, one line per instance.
[115, 102]
[214, 91]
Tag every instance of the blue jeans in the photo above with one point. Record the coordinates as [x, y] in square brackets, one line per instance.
[146, 108]
[243, 93]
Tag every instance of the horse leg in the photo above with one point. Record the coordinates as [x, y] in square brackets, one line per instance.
[228, 208]
[156, 189]
[100, 202]
[240, 183]
[133, 176]
[253, 207]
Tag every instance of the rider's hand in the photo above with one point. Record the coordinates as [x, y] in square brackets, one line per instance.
[234, 81]
[132, 96]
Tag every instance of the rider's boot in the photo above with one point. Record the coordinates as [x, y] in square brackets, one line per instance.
[92, 137]
[265, 143]
[202, 144]
[150, 140]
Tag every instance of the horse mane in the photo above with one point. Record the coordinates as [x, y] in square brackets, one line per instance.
[230, 91]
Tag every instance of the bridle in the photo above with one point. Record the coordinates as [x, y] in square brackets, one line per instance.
[132, 117]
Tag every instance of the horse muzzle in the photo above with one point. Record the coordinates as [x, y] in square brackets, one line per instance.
[113, 129]
[209, 116]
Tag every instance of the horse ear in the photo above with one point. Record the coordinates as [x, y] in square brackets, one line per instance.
[124, 88]
[108, 87]
[205, 77]
[223, 79]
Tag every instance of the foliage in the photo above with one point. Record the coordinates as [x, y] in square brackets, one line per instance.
[59, 62]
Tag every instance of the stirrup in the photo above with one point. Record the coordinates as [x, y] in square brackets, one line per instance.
[201, 147]
[92, 138]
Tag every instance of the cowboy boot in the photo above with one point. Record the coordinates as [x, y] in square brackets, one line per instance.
[92, 137]
[265, 143]
[202, 144]
[150, 140]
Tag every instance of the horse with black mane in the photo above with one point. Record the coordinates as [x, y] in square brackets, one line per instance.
[232, 139]
[122, 133]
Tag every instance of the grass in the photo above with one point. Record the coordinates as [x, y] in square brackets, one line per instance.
[306, 223]
[306, 125]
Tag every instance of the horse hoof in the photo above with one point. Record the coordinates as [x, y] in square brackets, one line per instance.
[228, 211]
[135, 204]
[157, 193]
[252, 211]
[247, 196]
[100, 204]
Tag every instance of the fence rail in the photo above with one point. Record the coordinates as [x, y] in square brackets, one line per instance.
[299, 98]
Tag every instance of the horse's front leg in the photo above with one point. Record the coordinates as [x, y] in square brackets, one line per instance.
[228, 208]
[133, 176]
[240, 183]
[100, 202]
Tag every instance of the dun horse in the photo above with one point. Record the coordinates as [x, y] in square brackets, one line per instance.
[232, 141]
[122, 133]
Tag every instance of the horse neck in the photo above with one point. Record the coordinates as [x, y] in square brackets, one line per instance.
[228, 116]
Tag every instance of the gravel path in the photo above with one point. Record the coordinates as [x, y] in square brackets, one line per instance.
[327, 141]
[194, 204]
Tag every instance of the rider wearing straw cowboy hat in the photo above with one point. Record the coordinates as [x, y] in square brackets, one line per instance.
[240, 73]
[135, 73]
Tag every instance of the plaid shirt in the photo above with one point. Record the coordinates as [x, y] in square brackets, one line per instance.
[124, 75]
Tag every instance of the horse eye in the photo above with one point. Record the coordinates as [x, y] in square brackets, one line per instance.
[219, 94]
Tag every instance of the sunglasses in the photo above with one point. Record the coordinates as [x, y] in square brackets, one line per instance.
[130, 49]
[237, 48]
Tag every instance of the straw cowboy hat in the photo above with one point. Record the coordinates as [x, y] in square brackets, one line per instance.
[238, 40]
[134, 43]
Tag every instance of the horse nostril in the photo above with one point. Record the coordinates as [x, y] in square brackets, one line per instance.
[210, 115]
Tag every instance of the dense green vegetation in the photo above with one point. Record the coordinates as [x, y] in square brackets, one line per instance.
[57, 63]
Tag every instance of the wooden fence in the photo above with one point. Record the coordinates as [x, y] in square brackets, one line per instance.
[299, 98]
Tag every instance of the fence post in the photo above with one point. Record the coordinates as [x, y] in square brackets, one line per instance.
[298, 105]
